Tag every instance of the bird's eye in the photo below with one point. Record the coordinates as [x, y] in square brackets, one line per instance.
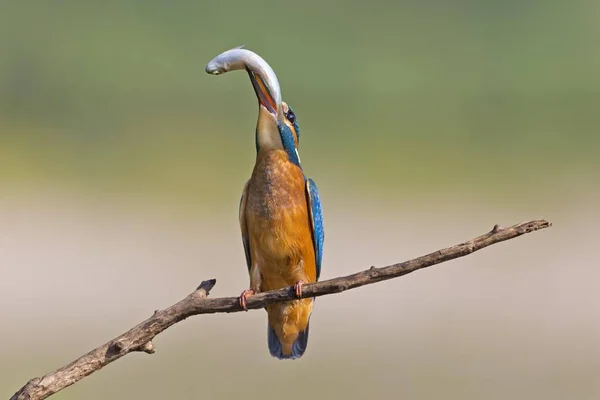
[291, 116]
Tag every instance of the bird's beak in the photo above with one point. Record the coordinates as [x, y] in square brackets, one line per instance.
[266, 96]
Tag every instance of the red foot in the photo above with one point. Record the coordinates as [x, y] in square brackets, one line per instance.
[298, 288]
[244, 296]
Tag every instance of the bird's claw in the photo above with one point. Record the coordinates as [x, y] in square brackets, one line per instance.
[244, 296]
[298, 288]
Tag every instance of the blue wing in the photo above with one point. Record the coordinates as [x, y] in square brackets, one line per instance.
[316, 221]
[243, 227]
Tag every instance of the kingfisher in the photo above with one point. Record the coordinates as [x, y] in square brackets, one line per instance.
[280, 211]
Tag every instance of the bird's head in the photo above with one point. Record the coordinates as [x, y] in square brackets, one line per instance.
[276, 126]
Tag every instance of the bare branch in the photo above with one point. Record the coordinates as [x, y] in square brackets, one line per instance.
[139, 338]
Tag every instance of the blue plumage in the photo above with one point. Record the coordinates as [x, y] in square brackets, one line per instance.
[316, 220]
[298, 348]
[287, 138]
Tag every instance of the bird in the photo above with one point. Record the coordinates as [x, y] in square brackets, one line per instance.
[280, 213]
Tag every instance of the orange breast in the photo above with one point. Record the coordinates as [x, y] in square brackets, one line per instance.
[278, 222]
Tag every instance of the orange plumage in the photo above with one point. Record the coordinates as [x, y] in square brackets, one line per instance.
[276, 219]
[280, 211]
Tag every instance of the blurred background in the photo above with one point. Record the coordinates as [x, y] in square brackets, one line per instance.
[424, 123]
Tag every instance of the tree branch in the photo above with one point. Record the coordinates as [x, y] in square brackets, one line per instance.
[139, 338]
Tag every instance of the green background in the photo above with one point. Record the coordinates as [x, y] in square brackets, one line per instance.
[424, 123]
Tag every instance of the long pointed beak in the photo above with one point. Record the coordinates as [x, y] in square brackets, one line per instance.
[263, 78]
[265, 98]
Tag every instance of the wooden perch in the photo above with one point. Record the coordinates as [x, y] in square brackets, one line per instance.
[139, 338]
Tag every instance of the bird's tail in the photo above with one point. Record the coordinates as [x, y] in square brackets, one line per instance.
[298, 348]
[288, 340]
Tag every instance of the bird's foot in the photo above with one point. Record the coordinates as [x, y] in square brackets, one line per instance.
[298, 288]
[244, 296]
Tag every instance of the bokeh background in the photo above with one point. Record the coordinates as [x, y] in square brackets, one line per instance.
[424, 123]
